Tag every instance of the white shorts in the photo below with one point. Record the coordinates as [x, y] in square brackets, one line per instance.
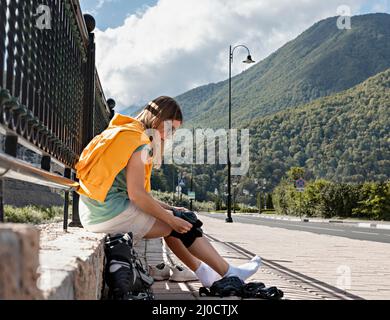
[133, 219]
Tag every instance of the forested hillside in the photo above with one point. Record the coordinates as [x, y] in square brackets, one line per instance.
[321, 61]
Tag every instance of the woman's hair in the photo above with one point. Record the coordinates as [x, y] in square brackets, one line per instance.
[160, 110]
[156, 112]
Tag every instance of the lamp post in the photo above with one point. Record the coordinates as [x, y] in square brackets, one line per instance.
[234, 197]
[225, 194]
[217, 201]
[248, 61]
[192, 184]
[258, 194]
[181, 185]
[265, 195]
[173, 184]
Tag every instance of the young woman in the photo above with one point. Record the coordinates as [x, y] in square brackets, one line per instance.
[114, 172]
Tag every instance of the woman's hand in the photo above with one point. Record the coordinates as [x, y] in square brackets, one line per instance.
[179, 225]
[180, 209]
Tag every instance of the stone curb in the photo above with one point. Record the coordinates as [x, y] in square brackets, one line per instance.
[357, 224]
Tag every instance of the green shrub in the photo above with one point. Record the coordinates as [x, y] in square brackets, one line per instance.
[33, 214]
[249, 209]
[326, 199]
[183, 202]
[374, 202]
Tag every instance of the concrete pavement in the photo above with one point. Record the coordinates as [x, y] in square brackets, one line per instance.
[359, 268]
[305, 265]
[351, 231]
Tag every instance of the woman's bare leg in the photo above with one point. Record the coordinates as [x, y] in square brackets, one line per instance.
[182, 253]
[203, 250]
[159, 230]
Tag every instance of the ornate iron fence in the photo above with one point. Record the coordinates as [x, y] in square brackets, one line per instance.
[50, 92]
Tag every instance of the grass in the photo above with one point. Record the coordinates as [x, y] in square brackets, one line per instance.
[33, 214]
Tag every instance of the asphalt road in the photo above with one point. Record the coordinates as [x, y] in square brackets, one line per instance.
[339, 230]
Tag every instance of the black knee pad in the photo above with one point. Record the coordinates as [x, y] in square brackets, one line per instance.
[188, 216]
[196, 232]
[188, 238]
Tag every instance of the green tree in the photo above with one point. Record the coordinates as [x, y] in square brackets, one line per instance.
[375, 201]
[295, 173]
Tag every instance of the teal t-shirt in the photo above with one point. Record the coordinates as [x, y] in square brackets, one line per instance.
[117, 200]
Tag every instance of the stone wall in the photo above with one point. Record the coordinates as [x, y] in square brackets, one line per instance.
[19, 261]
[47, 263]
[71, 264]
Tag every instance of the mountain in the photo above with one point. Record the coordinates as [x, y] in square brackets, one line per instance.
[343, 138]
[321, 61]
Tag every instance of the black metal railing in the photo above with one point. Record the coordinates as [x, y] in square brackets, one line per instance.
[102, 113]
[50, 93]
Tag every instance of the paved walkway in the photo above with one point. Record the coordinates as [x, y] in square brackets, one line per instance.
[304, 265]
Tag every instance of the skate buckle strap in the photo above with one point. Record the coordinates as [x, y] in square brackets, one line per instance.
[233, 286]
[228, 286]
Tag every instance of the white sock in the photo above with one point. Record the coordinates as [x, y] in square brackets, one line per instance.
[206, 275]
[246, 270]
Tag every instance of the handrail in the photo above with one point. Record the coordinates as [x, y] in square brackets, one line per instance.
[17, 169]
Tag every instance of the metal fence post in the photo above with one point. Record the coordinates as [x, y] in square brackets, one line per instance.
[76, 223]
[1, 201]
[10, 147]
[67, 173]
[90, 87]
[46, 163]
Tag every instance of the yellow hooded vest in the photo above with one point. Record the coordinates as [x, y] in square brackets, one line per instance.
[108, 154]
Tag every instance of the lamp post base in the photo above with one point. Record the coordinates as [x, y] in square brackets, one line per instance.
[229, 220]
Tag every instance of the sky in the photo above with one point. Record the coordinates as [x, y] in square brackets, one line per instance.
[149, 48]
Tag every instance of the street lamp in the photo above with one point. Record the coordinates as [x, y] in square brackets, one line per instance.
[173, 184]
[258, 194]
[234, 197]
[247, 61]
[265, 196]
[225, 194]
[192, 174]
[181, 185]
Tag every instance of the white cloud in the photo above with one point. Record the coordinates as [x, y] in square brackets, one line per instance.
[95, 5]
[100, 4]
[381, 6]
[176, 45]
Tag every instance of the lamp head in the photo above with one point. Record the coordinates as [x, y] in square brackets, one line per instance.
[249, 60]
